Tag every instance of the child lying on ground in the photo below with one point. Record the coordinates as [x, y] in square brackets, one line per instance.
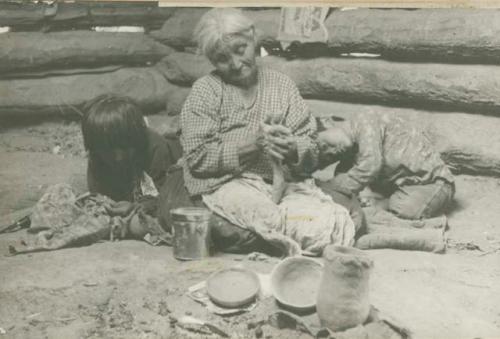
[127, 165]
[392, 158]
[127, 161]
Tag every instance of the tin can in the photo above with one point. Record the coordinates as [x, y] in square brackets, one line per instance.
[191, 232]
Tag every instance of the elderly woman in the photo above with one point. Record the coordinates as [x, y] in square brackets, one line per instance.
[230, 151]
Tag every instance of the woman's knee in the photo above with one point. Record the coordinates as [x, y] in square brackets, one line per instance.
[227, 237]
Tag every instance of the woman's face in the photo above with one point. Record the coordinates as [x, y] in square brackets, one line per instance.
[235, 60]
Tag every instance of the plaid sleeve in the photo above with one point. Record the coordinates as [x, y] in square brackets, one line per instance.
[303, 126]
[205, 154]
[369, 158]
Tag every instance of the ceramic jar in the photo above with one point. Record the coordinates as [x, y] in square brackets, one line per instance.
[343, 296]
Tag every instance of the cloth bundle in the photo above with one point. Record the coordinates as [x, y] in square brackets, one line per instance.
[385, 230]
[60, 219]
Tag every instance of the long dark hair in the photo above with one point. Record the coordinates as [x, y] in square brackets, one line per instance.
[112, 122]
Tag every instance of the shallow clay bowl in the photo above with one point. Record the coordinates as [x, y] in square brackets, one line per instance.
[295, 283]
[233, 287]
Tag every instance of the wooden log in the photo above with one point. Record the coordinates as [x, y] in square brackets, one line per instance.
[469, 144]
[471, 35]
[32, 74]
[33, 51]
[458, 35]
[177, 31]
[174, 99]
[69, 16]
[65, 95]
[25, 16]
[184, 68]
[44, 17]
[144, 14]
[468, 88]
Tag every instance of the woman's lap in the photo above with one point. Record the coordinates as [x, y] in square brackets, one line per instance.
[246, 202]
[305, 214]
[225, 236]
[244, 210]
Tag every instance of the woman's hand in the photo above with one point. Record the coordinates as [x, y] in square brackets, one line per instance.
[250, 148]
[280, 143]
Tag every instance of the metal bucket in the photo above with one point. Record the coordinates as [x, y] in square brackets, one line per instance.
[191, 232]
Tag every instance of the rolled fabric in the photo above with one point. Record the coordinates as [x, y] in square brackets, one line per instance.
[429, 240]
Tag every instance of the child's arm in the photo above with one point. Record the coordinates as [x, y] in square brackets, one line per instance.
[163, 153]
[94, 183]
[303, 127]
[368, 160]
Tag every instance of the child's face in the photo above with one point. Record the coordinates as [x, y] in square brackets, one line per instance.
[333, 141]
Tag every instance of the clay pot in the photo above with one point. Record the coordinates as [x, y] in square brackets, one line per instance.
[343, 296]
[295, 283]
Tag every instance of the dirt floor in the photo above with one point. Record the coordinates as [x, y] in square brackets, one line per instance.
[129, 289]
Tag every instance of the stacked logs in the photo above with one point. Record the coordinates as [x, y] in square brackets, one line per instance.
[30, 16]
[437, 67]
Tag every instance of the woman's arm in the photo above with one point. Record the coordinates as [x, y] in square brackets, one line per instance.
[205, 153]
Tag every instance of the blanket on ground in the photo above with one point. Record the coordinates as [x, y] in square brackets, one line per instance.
[61, 219]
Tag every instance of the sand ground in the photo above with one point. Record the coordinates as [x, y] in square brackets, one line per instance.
[129, 289]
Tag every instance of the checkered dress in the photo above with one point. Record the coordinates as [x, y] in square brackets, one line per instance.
[214, 120]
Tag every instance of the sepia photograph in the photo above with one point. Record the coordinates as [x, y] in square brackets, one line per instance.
[249, 170]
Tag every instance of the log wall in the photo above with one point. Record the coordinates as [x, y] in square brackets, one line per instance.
[438, 68]
[34, 51]
[448, 35]
[30, 16]
[474, 88]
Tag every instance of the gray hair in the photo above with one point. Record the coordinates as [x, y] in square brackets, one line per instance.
[218, 23]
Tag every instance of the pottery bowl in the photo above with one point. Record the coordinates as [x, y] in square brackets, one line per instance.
[295, 283]
[233, 287]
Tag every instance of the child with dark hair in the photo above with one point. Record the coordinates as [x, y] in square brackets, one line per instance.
[127, 161]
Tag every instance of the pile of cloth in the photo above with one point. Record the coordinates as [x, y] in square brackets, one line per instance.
[61, 219]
